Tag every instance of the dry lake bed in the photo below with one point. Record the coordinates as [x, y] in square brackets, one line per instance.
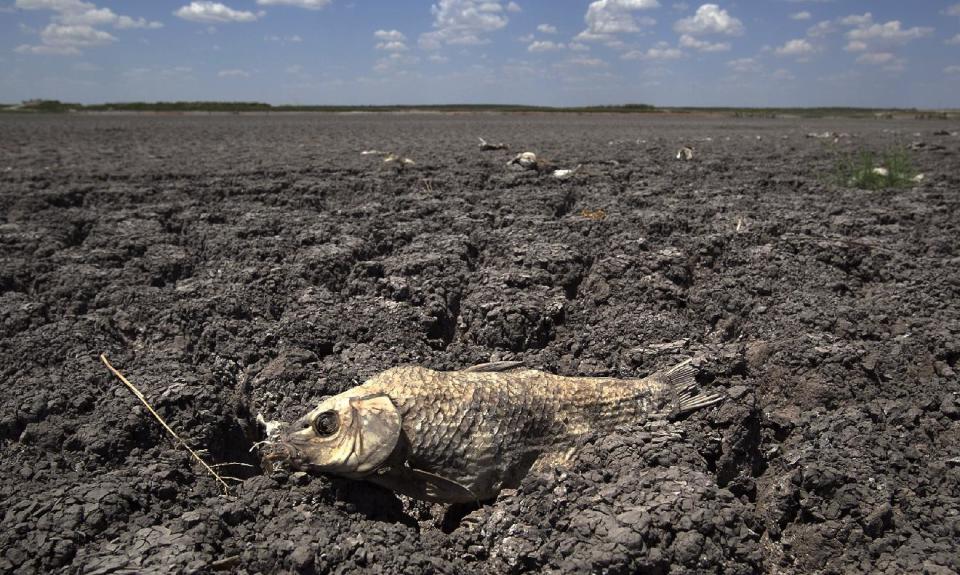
[236, 266]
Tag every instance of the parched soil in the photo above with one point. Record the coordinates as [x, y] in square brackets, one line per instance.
[241, 266]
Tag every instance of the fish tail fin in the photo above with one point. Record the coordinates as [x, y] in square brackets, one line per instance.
[680, 389]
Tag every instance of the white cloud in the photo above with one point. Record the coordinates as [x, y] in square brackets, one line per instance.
[857, 20]
[389, 35]
[514, 7]
[73, 26]
[547, 29]
[464, 22]
[544, 46]
[953, 10]
[55, 5]
[308, 4]
[578, 47]
[744, 65]
[390, 40]
[887, 60]
[688, 41]
[821, 29]
[662, 51]
[395, 62]
[872, 37]
[607, 18]
[207, 12]
[233, 73]
[44, 49]
[78, 35]
[891, 32]
[802, 15]
[856, 46]
[587, 62]
[67, 40]
[294, 39]
[798, 48]
[391, 46]
[875, 58]
[952, 70]
[709, 19]
[955, 41]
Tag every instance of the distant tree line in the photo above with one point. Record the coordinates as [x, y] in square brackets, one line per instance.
[56, 106]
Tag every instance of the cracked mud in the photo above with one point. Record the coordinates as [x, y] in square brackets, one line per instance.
[236, 266]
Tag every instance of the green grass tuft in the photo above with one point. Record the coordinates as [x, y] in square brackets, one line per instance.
[869, 171]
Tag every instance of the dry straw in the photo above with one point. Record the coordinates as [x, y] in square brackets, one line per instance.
[219, 479]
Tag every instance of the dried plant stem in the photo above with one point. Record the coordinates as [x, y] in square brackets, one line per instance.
[220, 480]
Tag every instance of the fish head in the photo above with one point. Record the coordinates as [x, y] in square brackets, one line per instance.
[345, 435]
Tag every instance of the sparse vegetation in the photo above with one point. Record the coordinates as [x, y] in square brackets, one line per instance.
[871, 171]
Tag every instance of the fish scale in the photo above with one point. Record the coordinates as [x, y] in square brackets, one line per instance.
[466, 435]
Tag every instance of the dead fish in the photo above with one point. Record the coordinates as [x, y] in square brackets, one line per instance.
[685, 154]
[485, 145]
[463, 436]
[526, 160]
[566, 174]
[397, 162]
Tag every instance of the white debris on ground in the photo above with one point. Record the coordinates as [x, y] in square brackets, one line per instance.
[400, 160]
[485, 145]
[566, 174]
[525, 160]
[390, 158]
[270, 428]
[835, 136]
[685, 154]
[918, 178]
[881, 171]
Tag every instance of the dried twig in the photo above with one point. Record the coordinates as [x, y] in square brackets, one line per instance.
[229, 463]
[220, 480]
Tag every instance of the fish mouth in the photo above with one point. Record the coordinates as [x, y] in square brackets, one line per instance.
[281, 452]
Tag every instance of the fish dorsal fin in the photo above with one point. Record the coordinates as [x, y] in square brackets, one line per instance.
[437, 488]
[376, 424]
[495, 366]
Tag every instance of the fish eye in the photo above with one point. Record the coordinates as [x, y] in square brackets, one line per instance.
[327, 423]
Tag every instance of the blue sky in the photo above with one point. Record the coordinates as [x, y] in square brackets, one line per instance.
[553, 52]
